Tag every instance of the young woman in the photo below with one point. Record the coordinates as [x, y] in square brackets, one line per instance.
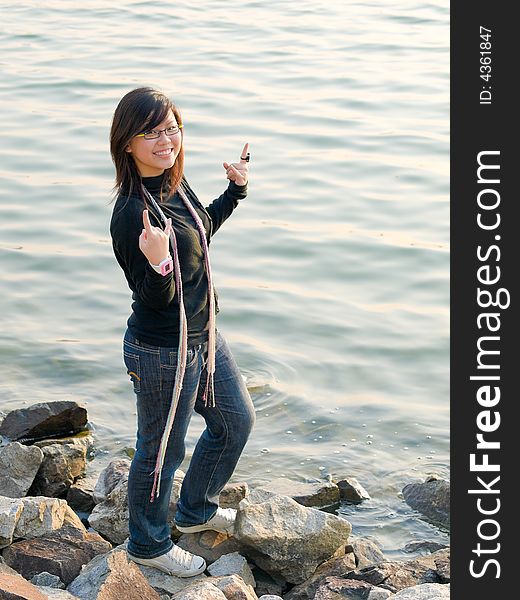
[177, 360]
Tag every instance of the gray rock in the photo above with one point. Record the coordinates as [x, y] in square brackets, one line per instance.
[350, 489]
[285, 538]
[112, 575]
[333, 588]
[10, 511]
[56, 594]
[426, 591]
[366, 552]
[40, 515]
[234, 587]
[270, 597]
[61, 465]
[378, 593]
[438, 561]
[233, 564]
[211, 545]
[80, 495]
[318, 494]
[424, 546]
[232, 494]
[163, 583]
[61, 553]
[431, 498]
[110, 517]
[109, 477]
[395, 576]
[334, 567]
[43, 420]
[200, 591]
[45, 579]
[18, 467]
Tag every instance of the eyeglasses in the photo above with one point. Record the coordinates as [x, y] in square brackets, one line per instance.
[154, 134]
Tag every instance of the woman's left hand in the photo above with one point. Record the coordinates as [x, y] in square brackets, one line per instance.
[238, 172]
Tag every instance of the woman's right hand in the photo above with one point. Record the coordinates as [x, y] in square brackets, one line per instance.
[153, 241]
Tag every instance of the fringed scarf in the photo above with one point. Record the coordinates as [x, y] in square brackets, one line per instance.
[209, 392]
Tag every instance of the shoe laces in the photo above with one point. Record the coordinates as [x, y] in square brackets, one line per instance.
[181, 557]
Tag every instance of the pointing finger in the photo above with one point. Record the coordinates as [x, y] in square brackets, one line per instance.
[244, 153]
[146, 221]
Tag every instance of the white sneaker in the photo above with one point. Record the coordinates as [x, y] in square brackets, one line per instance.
[223, 521]
[176, 561]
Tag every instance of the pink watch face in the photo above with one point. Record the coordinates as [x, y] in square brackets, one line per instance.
[167, 267]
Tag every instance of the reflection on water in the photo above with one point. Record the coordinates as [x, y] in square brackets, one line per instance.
[332, 274]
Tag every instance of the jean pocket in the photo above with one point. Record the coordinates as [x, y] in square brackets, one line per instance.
[144, 370]
[133, 368]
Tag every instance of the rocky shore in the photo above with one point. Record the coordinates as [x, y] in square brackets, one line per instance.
[63, 534]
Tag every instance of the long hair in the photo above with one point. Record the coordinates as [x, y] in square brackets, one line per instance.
[139, 111]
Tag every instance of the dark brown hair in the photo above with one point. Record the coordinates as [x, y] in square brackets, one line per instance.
[139, 111]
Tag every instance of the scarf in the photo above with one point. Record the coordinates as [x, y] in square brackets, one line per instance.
[209, 392]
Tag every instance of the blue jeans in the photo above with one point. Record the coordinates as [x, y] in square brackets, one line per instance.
[228, 425]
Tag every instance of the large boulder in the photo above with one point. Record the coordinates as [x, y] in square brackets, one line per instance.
[431, 498]
[61, 465]
[15, 587]
[44, 420]
[286, 538]
[40, 515]
[317, 494]
[61, 553]
[18, 467]
[109, 576]
[110, 517]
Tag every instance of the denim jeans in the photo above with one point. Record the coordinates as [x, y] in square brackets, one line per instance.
[228, 425]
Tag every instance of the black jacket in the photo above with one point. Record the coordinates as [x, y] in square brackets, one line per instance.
[155, 308]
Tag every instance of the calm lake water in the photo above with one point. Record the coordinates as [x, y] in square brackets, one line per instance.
[333, 275]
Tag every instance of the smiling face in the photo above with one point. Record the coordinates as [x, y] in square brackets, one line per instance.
[152, 157]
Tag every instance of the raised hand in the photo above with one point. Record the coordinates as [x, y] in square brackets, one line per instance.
[153, 241]
[238, 172]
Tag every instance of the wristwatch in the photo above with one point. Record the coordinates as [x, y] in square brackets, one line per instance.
[164, 267]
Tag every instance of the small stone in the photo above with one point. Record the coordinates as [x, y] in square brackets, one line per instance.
[48, 580]
[80, 495]
[318, 494]
[431, 498]
[232, 494]
[350, 489]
